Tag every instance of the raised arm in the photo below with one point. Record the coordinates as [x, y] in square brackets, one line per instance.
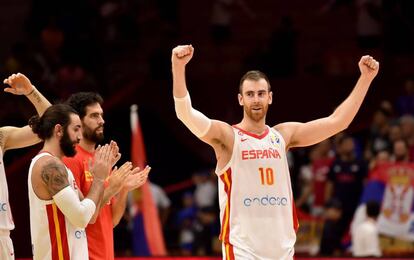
[18, 137]
[305, 134]
[216, 133]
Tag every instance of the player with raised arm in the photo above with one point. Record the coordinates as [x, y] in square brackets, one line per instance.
[257, 212]
[11, 138]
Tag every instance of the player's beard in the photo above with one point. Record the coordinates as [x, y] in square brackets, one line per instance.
[67, 145]
[256, 115]
[92, 135]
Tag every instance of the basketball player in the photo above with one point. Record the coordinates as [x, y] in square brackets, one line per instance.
[120, 182]
[58, 211]
[258, 219]
[12, 138]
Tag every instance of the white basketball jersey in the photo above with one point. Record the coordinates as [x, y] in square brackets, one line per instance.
[6, 220]
[257, 211]
[53, 236]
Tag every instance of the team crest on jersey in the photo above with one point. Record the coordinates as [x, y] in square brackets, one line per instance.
[274, 140]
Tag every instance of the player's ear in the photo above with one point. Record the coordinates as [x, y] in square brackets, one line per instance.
[240, 98]
[270, 97]
[58, 130]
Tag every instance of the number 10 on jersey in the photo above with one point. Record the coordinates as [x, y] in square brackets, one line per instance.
[266, 176]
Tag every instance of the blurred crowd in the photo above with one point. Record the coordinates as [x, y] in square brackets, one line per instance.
[333, 175]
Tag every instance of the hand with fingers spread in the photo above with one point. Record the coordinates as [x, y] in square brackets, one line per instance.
[115, 154]
[19, 84]
[181, 55]
[136, 179]
[118, 177]
[368, 66]
[101, 165]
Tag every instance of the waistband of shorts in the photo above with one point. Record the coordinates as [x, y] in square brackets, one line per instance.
[4, 232]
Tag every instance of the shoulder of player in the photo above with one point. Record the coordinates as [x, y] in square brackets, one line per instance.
[223, 133]
[283, 128]
[52, 172]
[76, 165]
[286, 130]
[75, 160]
[227, 128]
[47, 163]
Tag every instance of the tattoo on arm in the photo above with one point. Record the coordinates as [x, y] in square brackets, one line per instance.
[55, 177]
[37, 97]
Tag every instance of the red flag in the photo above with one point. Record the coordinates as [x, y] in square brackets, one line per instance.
[145, 204]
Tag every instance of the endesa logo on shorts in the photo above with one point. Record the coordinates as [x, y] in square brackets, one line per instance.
[265, 201]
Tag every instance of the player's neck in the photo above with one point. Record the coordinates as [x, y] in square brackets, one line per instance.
[53, 149]
[87, 145]
[256, 127]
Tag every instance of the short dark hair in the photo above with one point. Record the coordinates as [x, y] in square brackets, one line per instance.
[373, 209]
[56, 114]
[254, 75]
[79, 101]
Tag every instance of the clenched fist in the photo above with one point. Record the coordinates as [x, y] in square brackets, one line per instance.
[182, 54]
[368, 66]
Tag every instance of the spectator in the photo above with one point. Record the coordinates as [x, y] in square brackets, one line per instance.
[162, 202]
[313, 177]
[206, 191]
[320, 169]
[378, 138]
[331, 241]
[345, 180]
[204, 230]
[407, 130]
[381, 158]
[405, 102]
[365, 237]
[185, 220]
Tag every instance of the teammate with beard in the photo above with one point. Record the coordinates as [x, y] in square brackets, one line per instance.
[257, 213]
[119, 183]
[58, 211]
[12, 138]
